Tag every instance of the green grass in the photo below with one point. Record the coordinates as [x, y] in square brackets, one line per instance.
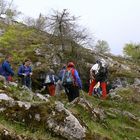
[20, 129]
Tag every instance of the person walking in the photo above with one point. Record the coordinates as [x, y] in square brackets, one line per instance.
[50, 82]
[98, 73]
[72, 82]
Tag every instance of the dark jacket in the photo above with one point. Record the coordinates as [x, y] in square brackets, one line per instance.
[24, 70]
[8, 71]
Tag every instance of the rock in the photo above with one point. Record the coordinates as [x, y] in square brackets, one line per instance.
[136, 81]
[13, 84]
[69, 127]
[111, 115]
[2, 79]
[99, 113]
[38, 52]
[27, 105]
[5, 97]
[2, 32]
[37, 117]
[43, 98]
[129, 115]
[115, 111]
[114, 96]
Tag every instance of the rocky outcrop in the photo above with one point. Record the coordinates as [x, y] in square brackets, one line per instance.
[59, 120]
[68, 126]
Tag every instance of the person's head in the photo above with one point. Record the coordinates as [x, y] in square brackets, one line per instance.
[64, 66]
[101, 61]
[71, 64]
[9, 57]
[27, 62]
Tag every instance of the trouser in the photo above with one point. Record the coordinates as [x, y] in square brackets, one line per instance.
[51, 89]
[72, 92]
[103, 86]
[26, 81]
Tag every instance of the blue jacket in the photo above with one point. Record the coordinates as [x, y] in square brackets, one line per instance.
[24, 70]
[8, 71]
[77, 79]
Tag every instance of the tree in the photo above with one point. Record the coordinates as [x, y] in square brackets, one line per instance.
[8, 11]
[11, 14]
[132, 50]
[102, 47]
[63, 25]
[39, 23]
[3, 7]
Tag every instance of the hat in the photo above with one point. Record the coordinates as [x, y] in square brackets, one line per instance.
[71, 64]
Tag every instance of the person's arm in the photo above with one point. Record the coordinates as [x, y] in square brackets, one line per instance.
[20, 71]
[78, 80]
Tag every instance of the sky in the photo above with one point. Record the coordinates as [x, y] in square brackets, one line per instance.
[115, 21]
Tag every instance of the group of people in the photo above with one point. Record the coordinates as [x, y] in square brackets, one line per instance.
[24, 71]
[67, 79]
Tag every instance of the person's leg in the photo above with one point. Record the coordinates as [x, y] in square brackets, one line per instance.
[28, 82]
[104, 92]
[69, 92]
[92, 84]
[51, 89]
[75, 92]
[23, 81]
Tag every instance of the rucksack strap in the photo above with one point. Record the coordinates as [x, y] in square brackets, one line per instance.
[72, 72]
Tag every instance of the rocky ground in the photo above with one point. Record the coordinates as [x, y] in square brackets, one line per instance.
[26, 115]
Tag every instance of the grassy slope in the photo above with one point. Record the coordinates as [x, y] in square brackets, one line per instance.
[118, 128]
[21, 42]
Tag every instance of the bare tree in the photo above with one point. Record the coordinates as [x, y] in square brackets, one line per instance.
[63, 25]
[3, 7]
[39, 23]
[8, 10]
[11, 14]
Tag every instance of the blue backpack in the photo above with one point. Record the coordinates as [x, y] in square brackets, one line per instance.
[2, 71]
[68, 78]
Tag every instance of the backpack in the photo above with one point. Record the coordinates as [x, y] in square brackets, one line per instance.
[68, 78]
[50, 79]
[2, 71]
[101, 75]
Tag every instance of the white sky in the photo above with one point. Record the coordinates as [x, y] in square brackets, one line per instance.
[116, 21]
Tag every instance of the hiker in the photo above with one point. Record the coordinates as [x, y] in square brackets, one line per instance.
[6, 69]
[50, 82]
[71, 82]
[98, 73]
[59, 87]
[25, 73]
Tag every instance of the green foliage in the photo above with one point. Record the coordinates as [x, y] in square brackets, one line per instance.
[132, 50]
[102, 47]
[15, 37]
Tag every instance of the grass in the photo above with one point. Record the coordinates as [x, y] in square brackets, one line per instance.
[20, 129]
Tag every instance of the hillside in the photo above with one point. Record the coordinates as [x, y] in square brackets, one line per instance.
[26, 115]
